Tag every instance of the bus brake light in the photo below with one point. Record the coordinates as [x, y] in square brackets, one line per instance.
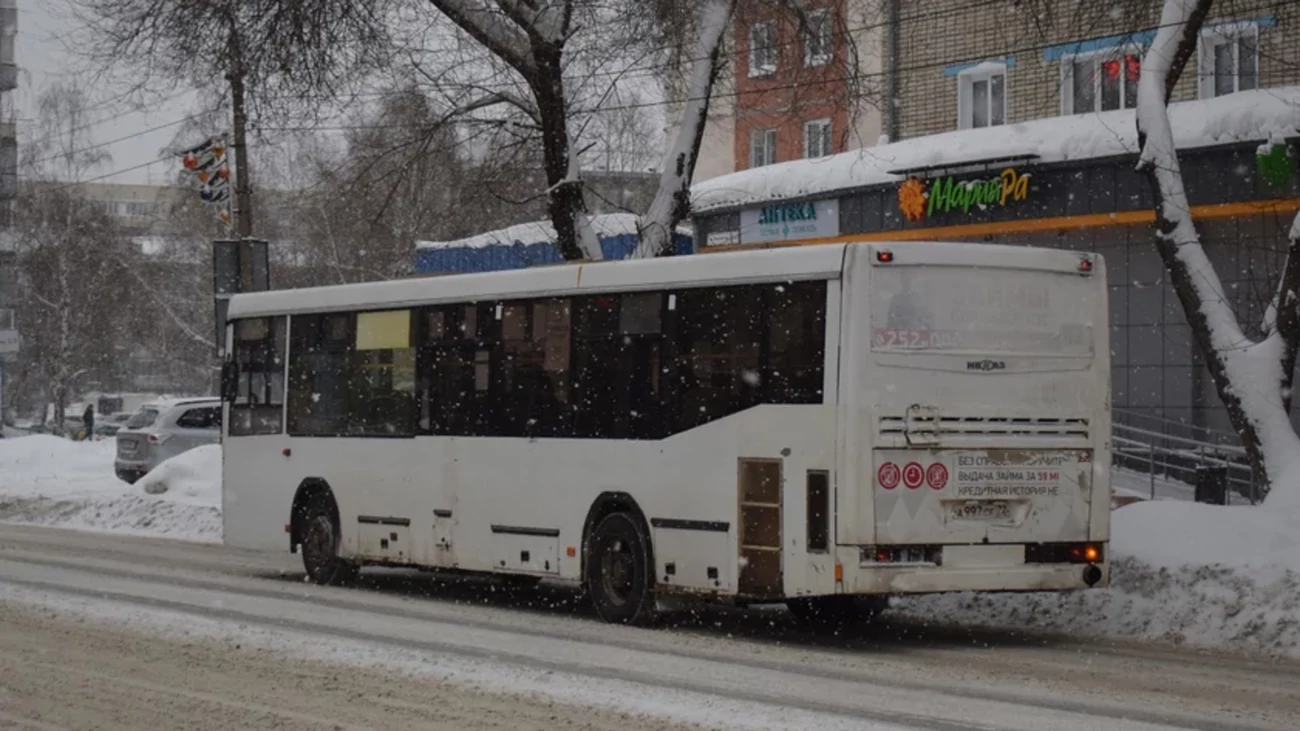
[884, 256]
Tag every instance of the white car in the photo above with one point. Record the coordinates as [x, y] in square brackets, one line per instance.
[161, 430]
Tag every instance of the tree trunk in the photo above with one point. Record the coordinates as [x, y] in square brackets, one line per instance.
[564, 198]
[1252, 379]
[672, 202]
[243, 176]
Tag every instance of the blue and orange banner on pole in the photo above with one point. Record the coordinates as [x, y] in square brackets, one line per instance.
[211, 166]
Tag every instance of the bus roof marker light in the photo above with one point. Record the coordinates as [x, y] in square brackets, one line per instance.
[884, 256]
[1085, 265]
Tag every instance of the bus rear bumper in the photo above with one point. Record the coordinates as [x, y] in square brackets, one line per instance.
[929, 579]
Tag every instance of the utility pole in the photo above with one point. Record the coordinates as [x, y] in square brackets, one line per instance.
[239, 264]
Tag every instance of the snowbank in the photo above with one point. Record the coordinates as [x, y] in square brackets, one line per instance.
[193, 477]
[1246, 116]
[1206, 576]
[46, 480]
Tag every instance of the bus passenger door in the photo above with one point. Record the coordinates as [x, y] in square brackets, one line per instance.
[760, 510]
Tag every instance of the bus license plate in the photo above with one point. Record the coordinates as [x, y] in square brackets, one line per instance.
[980, 510]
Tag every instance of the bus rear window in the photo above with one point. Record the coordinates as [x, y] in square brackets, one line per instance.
[937, 308]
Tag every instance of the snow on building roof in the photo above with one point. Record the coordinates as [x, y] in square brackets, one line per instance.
[537, 232]
[1252, 115]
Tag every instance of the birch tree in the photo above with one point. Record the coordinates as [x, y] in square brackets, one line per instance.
[1252, 377]
[553, 50]
[67, 251]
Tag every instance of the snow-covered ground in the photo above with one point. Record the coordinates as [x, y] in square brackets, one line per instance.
[1182, 572]
[1225, 577]
[46, 480]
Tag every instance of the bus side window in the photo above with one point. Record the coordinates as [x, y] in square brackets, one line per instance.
[795, 343]
[259, 395]
[718, 354]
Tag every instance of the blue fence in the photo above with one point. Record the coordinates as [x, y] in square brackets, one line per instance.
[520, 255]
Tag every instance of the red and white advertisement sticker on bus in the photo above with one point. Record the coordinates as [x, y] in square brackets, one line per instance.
[999, 473]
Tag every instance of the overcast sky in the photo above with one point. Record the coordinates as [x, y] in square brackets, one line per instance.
[43, 57]
[134, 139]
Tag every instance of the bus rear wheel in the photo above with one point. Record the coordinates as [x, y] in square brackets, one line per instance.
[619, 577]
[837, 609]
[320, 546]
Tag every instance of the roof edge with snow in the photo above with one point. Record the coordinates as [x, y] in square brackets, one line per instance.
[540, 232]
[1245, 116]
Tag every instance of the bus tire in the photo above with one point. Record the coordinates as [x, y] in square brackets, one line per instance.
[620, 578]
[321, 540]
[837, 609]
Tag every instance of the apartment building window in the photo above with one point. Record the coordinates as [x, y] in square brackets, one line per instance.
[817, 138]
[1229, 59]
[817, 38]
[1100, 82]
[982, 96]
[762, 49]
[762, 147]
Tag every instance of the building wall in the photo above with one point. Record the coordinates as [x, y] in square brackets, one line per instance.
[947, 36]
[845, 90]
[717, 146]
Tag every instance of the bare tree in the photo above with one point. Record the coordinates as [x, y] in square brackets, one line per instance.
[1253, 378]
[67, 254]
[555, 61]
[280, 57]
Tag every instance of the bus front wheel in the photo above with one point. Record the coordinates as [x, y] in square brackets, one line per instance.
[320, 546]
[619, 579]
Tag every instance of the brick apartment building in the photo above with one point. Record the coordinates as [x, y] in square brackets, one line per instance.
[1042, 94]
[802, 85]
[964, 63]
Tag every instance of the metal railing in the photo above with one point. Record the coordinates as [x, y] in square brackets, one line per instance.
[1168, 458]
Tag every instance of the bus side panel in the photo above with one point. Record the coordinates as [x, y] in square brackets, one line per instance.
[257, 485]
[494, 490]
[1099, 529]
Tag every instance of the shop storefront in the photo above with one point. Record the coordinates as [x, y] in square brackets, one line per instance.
[1244, 196]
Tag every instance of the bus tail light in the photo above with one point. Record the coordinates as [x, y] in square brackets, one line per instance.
[884, 256]
[1085, 266]
[1065, 553]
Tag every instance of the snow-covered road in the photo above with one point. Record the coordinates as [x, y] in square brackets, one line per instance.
[244, 619]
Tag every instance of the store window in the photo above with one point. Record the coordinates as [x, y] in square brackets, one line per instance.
[817, 47]
[817, 138]
[982, 96]
[762, 144]
[762, 49]
[1229, 59]
[1100, 82]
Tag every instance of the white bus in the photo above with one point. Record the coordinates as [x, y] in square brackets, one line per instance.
[823, 426]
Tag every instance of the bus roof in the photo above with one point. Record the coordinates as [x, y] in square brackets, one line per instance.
[787, 263]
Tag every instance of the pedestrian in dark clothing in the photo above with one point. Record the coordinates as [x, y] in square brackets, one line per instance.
[88, 420]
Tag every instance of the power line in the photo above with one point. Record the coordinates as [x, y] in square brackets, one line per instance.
[123, 138]
[42, 140]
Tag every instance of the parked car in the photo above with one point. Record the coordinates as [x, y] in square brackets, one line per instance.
[161, 430]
